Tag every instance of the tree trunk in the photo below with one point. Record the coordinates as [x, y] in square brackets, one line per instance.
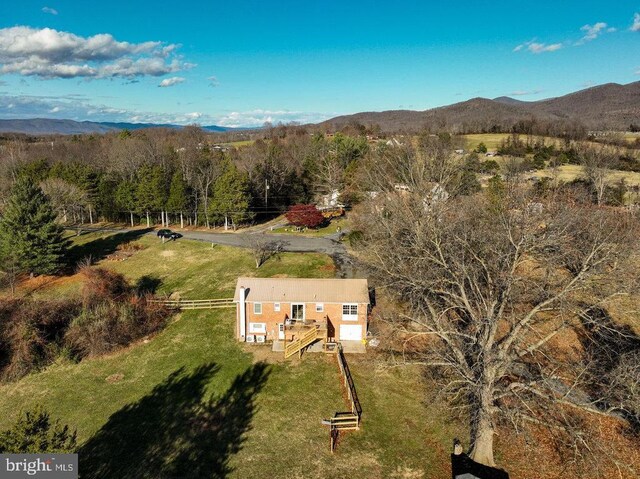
[131, 215]
[482, 432]
[90, 216]
[148, 223]
[226, 223]
[181, 221]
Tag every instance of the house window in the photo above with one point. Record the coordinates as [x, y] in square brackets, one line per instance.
[257, 327]
[319, 307]
[297, 312]
[350, 312]
[257, 308]
[276, 307]
[350, 309]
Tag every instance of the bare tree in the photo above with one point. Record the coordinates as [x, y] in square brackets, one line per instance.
[66, 199]
[597, 162]
[263, 248]
[489, 285]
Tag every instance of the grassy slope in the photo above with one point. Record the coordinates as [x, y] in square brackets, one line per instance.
[113, 403]
[331, 228]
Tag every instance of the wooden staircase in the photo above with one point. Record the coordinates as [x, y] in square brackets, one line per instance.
[302, 342]
[344, 421]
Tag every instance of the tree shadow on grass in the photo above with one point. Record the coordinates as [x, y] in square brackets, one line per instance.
[174, 432]
[100, 248]
[147, 284]
[605, 344]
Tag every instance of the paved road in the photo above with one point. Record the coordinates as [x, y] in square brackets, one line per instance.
[298, 244]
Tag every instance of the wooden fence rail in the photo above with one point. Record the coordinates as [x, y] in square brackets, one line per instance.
[196, 303]
[344, 421]
[356, 408]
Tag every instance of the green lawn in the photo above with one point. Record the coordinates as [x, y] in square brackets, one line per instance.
[329, 229]
[188, 269]
[493, 140]
[192, 402]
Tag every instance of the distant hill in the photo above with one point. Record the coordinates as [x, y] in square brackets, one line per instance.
[48, 126]
[605, 107]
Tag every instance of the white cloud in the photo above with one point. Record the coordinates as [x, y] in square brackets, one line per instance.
[171, 81]
[213, 81]
[525, 92]
[79, 108]
[48, 53]
[591, 32]
[257, 118]
[536, 48]
[49, 10]
[635, 27]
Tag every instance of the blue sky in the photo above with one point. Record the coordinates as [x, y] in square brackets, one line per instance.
[245, 62]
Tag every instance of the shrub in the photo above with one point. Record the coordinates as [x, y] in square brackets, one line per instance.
[305, 215]
[355, 237]
[103, 285]
[34, 432]
[33, 334]
[113, 315]
[105, 327]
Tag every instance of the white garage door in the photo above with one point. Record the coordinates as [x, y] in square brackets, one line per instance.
[350, 332]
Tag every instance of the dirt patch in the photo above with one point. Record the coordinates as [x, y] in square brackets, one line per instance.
[264, 353]
[168, 254]
[114, 378]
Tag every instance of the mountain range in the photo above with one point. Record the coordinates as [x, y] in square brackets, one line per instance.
[605, 107]
[50, 126]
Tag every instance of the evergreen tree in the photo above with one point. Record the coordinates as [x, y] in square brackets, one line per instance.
[231, 197]
[150, 192]
[106, 204]
[34, 432]
[126, 197]
[29, 230]
[469, 183]
[178, 196]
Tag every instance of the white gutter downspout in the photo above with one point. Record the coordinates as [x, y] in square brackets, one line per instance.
[243, 314]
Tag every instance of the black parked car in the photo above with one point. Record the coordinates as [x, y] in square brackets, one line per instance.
[174, 236]
[164, 233]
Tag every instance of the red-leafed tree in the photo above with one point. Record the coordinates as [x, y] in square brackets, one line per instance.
[304, 215]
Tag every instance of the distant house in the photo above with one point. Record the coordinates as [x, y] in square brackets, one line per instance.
[330, 200]
[283, 309]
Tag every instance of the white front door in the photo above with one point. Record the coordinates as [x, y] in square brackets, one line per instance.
[350, 332]
[281, 331]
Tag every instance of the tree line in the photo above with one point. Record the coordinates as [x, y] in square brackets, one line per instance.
[169, 176]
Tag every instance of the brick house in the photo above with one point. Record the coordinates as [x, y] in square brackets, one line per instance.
[283, 309]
